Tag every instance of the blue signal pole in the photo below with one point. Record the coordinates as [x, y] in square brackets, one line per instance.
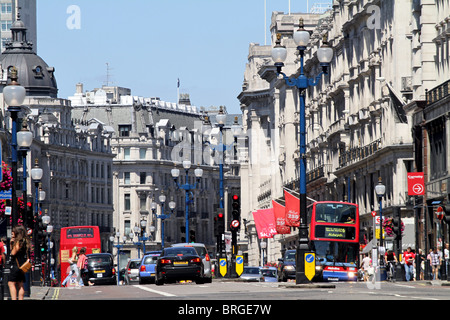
[324, 54]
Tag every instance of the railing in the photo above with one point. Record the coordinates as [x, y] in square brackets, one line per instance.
[359, 153]
[438, 92]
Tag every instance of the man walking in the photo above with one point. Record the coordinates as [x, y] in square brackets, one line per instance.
[409, 257]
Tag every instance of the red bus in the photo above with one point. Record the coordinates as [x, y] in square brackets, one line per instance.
[82, 236]
[334, 236]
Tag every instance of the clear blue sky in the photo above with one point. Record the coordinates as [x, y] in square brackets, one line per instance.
[149, 44]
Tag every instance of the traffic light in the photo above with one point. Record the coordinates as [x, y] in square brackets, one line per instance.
[183, 233]
[235, 212]
[192, 235]
[220, 222]
[396, 227]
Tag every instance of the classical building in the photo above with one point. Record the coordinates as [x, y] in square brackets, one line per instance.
[431, 119]
[358, 129]
[151, 137]
[76, 158]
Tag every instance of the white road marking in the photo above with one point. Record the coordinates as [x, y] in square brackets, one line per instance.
[154, 291]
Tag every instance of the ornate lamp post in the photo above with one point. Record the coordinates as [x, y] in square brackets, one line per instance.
[187, 187]
[324, 55]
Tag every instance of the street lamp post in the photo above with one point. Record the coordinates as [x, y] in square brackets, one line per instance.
[163, 216]
[380, 190]
[324, 55]
[187, 187]
[14, 96]
[36, 176]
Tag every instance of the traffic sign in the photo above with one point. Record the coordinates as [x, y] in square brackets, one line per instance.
[239, 265]
[223, 266]
[416, 184]
[374, 214]
[234, 224]
[310, 265]
[440, 213]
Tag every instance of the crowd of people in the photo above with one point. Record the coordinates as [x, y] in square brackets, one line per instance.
[435, 259]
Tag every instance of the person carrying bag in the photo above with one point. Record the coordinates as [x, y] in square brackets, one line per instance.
[19, 253]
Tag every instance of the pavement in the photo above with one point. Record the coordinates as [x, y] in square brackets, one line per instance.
[39, 293]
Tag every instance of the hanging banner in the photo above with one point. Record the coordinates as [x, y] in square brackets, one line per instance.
[292, 209]
[265, 223]
[280, 218]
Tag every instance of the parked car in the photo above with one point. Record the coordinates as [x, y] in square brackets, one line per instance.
[203, 253]
[179, 263]
[252, 274]
[286, 266]
[147, 268]
[132, 271]
[101, 269]
[269, 274]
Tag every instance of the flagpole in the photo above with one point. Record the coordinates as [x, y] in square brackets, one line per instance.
[178, 91]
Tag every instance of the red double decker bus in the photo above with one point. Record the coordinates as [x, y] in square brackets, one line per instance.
[81, 236]
[334, 236]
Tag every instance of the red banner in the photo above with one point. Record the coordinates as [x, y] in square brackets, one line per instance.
[292, 209]
[280, 218]
[265, 223]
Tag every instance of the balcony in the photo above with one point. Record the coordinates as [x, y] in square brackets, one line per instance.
[358, 153]
[438, 93]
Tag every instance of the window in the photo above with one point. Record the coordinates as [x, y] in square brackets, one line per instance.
[143, 177]
[126, 177]
[142, 153]
[124, 130]
[6, 25]
[143, 203]
[6, 7]
[127, 202]
[127, 227]
[126, 153]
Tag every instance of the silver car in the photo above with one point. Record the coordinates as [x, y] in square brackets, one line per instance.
[203, 253]
[132, 271]
[252, 274]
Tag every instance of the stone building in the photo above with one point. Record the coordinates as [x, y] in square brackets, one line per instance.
[151, 137]
[76, 159]
[358, 129]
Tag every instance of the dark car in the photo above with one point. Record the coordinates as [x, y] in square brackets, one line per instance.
[100, 269]
[179, 263]
[286, 266]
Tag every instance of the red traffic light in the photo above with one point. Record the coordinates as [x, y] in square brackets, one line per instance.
[235, 197]
[220, 215]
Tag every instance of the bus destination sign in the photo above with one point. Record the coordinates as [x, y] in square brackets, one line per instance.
[338, 232]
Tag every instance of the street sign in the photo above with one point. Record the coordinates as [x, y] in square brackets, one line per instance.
[416, 184]
[235, 224]
[223, 266]
[374, 214]
[440, 213]
[6, 195]
[239, 265]
[310, 265]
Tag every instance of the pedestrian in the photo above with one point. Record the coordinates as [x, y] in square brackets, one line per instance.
[408, 257]
[446, 258]
[19, 249]
[2, 252]
[73, 268]
[435, 260]
[422, 261]
[366, 264]
[82, 264]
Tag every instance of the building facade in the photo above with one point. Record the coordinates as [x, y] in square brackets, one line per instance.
[358, 124]
[76, 158]
[151, 137]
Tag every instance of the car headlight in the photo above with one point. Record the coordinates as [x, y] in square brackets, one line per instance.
[289, 268]
[351, 274]
[318, 268]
